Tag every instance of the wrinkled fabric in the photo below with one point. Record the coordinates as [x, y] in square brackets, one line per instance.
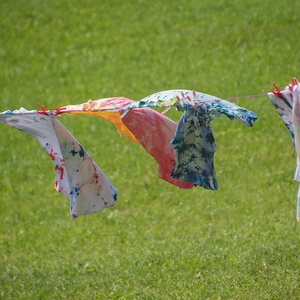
[101, 108]
[296, 128]
[76, 175]
[216, 106]
[151, 129]
[154, 132]
[287, 104]
[194, 147]
[194, 144]
[283, 103]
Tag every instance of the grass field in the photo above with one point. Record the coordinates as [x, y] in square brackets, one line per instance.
[158, 242]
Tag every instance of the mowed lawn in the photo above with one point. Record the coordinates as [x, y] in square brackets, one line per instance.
[158, 242]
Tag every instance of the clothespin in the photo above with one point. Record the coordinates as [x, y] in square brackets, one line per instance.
[181, 100]
[194, 100]
[277, 92]
[44, 111]
[294, 81]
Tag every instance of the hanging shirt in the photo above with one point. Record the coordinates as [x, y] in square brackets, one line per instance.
[287, 104]
[76, 175]
[296, 128]
[194, 144]
[194, 147]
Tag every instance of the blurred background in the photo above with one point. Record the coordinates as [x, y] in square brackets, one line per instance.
[158, 242]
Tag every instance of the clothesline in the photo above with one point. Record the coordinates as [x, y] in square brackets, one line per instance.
[184, 151]
[251, 96]
[176, 104]
[233, 98]
[213, 100]
[56, 111]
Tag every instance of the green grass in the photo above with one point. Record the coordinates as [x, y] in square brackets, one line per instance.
[158, 242]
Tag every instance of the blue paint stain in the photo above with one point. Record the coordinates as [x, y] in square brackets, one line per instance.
[115, 196]
[73, 152]
[76, 190]
[81, 151]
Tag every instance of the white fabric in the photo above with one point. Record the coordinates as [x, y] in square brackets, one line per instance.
[76, 175]
[287, 103]
[296, 127]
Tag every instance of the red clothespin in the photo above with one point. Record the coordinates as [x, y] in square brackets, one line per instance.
[44, 110]
[57, 111]
[181, 100]
[294, 81]
[277, 92]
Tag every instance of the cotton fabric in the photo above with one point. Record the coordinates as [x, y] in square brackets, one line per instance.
[103, 109]
[145, 126]
[216, 106]
[287, 104]
[77, 176]
[194, 147]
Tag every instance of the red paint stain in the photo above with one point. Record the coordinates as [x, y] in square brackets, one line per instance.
[96, 176]
[52, 155]
[61, 170]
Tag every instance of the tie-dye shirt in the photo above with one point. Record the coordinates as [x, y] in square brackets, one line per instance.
[283, 103]
[194, 143]
[194, 147]
[287, 103]
[76, 175]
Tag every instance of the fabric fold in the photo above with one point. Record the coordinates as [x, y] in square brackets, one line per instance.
[154, 132]
[194, 147]
[77, 176]
[283, 103]
[103, 109]
[217, 106]
[287, 104]
[148, 127]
